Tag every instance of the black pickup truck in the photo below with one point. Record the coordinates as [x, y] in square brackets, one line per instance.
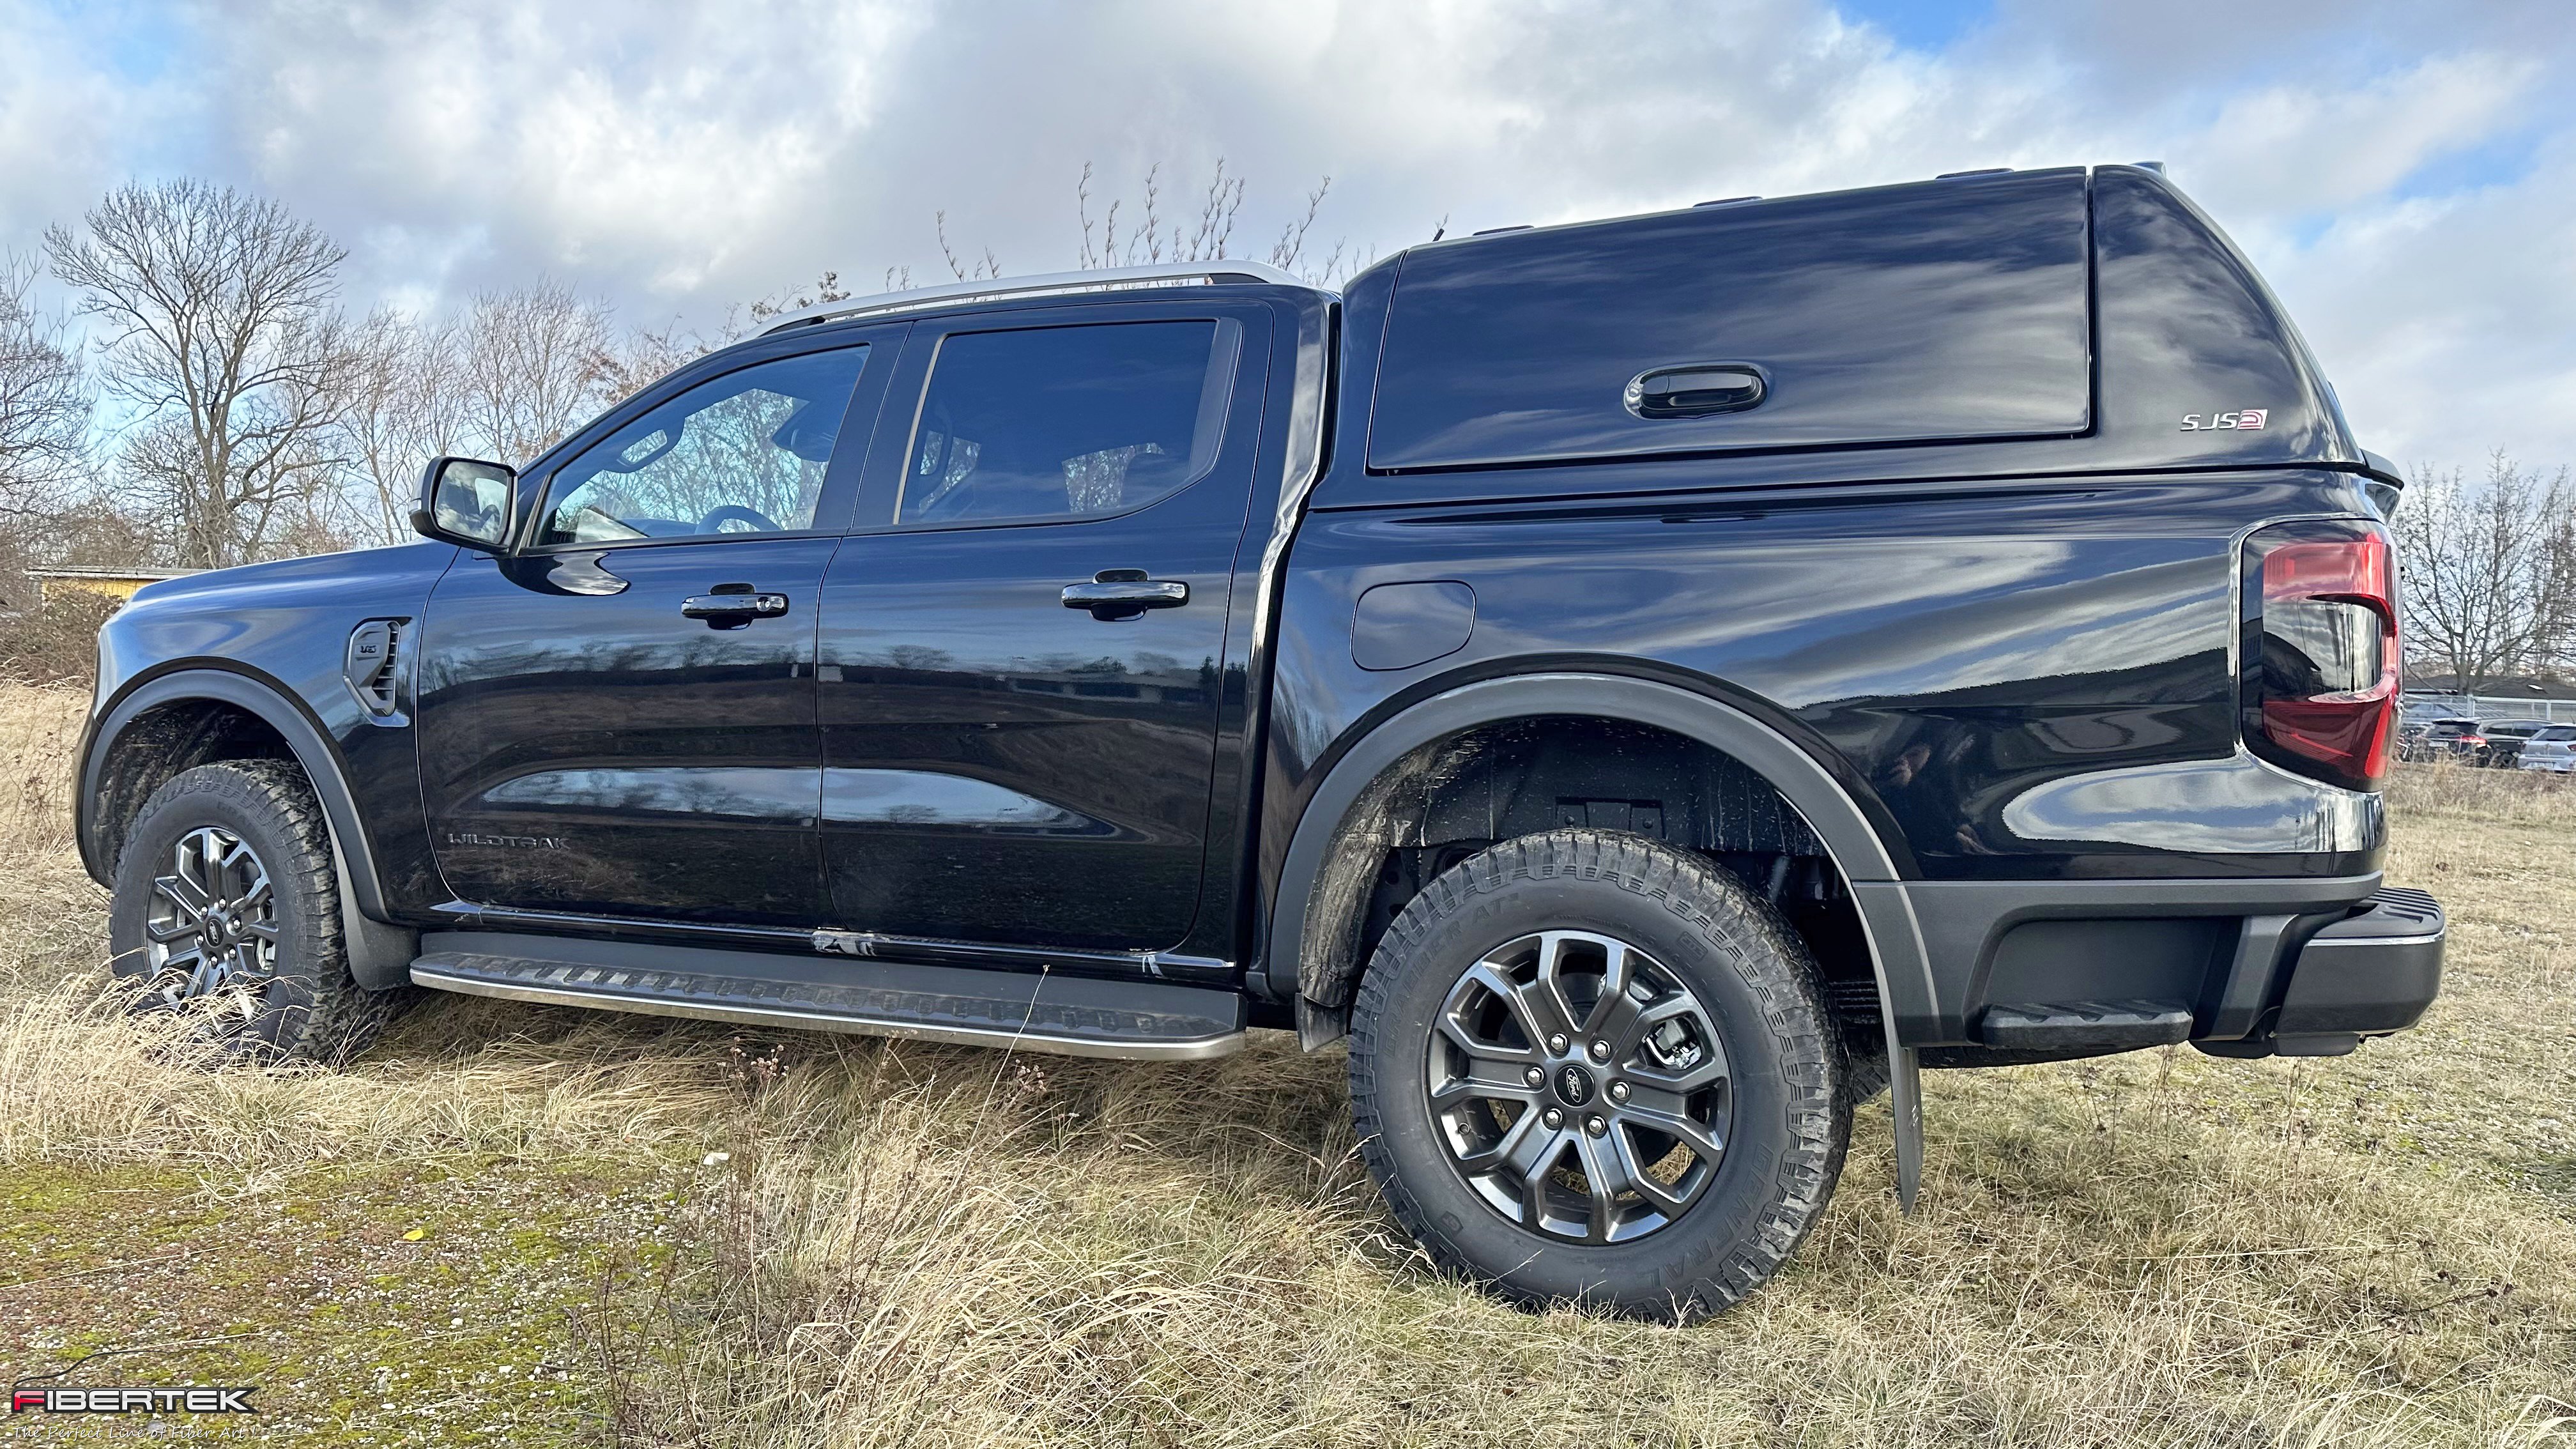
[1624, 677]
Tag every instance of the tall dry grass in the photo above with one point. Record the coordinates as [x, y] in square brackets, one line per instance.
[2449, 789]
[908, 1244]
[51, 915]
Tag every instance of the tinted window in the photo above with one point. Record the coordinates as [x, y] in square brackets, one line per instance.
[1953, 309]
[741, 453]
[2560, 732]
[1065, 422]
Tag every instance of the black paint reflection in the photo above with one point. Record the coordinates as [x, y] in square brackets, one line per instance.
[950, 665]
[1004, 769]
[1958, 647]
[1955, 310]
[604, 754]
[931, 800]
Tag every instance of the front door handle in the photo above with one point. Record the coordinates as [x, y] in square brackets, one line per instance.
[1115, 594]
[733, 605]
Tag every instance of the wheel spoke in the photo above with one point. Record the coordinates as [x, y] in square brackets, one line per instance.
[1619, 969]
[1694, 1134]
[1536, 1158]
[1494, 1080]
[1645, 1018]
[164, 935]
[1623, 1148]
[173, 967]
[193, 861]
[184, 893]
[240, 857]
[1550, 985]
[1483, 977]
[1707, 1072]
[1514, 1140]
[1605, 1175]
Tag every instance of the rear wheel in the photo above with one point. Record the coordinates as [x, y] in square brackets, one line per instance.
[227, 914]
[1588, 1067]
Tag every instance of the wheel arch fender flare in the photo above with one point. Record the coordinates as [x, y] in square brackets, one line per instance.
[1856, 846]
[372, 943]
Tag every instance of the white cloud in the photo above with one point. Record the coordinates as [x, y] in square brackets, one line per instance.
[2401, 172]
[2291, 149]
[60, 118]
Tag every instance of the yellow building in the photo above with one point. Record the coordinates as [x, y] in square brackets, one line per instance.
[115, 583]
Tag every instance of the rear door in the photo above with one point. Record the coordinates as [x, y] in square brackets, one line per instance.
[619, 719]
[1001, 767]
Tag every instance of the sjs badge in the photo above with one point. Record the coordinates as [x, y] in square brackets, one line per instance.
[2244, 419]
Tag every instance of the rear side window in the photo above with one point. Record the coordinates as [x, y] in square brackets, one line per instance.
[1066, 422]
[2557, 732]
[1947, 310]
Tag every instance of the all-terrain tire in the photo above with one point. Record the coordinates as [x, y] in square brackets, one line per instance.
[1791, 1111]
[311, 1009]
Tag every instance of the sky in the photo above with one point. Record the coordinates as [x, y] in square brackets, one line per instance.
[2404, 174]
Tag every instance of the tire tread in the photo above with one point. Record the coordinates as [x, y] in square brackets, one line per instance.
[1764, 950]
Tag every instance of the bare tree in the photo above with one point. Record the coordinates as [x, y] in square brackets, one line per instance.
[2489, 573]
[987, 267]
[1290, 250]
[1208, 236]
[398, 409]
[44, 407]
[644, 356]
[222, 336]
[531, 368]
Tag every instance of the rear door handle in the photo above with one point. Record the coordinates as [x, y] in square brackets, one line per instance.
[1116, 594]
[733, 605]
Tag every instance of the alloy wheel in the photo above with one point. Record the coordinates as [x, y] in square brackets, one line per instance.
[1580, 1087]
[210, 932]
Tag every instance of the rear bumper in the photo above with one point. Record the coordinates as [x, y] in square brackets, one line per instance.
[2375, 971]
[2002, 969]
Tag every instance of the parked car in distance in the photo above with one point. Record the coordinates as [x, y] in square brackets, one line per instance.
[2424, 741]
[2552, 748]
[2505, 738]
[1647, 685]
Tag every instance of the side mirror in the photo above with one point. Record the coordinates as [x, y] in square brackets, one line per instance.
[467, 501]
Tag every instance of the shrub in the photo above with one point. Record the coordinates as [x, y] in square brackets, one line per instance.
[56, 642]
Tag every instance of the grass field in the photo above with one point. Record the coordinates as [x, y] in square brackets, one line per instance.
[530, 1226]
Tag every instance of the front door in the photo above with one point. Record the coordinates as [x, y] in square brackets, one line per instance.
[619, 720]
[1001, 767]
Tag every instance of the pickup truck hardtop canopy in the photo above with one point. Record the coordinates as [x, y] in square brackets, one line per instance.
[2062, 320]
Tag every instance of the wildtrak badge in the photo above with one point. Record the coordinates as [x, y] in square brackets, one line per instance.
[2243, 419]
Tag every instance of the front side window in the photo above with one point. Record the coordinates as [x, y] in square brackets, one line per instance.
[742, 453]
[1066, 422]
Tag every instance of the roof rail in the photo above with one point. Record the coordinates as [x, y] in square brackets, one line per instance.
[1110, 279]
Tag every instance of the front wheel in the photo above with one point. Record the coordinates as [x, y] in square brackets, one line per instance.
[227, 913]
[1587, 1067]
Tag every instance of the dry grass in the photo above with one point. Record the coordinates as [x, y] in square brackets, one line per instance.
[916, 1245]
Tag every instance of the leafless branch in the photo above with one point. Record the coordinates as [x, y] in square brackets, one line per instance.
[221, 337]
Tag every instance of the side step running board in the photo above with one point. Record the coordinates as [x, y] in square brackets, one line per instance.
[1046, 1012]
[2084, 1025]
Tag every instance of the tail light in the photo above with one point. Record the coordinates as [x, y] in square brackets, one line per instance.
[2319, 687]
